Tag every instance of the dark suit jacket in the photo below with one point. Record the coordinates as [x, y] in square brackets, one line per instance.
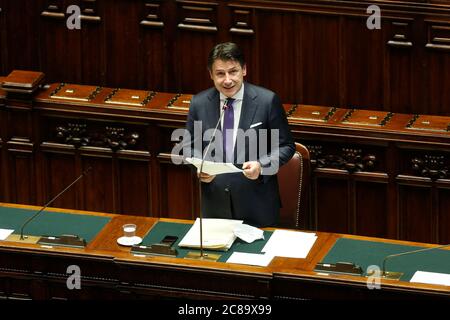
[233, 196]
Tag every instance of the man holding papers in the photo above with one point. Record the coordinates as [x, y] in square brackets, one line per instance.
[253, 135]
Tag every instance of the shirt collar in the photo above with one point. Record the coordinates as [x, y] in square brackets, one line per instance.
[238, 96]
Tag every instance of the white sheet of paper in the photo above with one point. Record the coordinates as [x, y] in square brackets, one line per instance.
[248, 233]
[4, 233]
[254, 259]
[217, 234]
[290, 244]
[213, 168]
[431, 278]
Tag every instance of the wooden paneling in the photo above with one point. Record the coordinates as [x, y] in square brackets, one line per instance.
[60, 50]
[178, 190]
[363, 85]
[275, 43]
[59, 171]
[443, 203]
[21, 172]
[99, 190]
[154, 52]
[415, 209]
[134, 183]
[319, 53]
[319, 58]
[400, 66]
[123, 65]
[370, 205]
[2, 171]
[19, 37]
[331, 208]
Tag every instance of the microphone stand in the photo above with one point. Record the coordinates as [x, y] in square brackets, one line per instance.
[392, 275]
[68, 240]
[205, 256]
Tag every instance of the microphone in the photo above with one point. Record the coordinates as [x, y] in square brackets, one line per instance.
[397, 275]
[67, 237]
[204, 256]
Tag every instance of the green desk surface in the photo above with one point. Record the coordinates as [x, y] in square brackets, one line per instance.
[162, 229]
[49, 223]
[366, 253]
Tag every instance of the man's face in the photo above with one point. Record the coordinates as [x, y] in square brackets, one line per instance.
[227, 76]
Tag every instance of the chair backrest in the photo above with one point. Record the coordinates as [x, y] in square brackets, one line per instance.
[294, 185]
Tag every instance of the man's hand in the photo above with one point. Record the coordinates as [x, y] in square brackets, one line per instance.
[252, 169]
[204, 177]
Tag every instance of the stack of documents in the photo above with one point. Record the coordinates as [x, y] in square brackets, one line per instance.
[282, 243]
[217, 234]
[213, 168]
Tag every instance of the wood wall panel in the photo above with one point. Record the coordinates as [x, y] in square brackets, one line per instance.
[417, 220]
[363, 64]
[60, 171]
[122, 45]
[443, 203]
[3, 179]
[331, 208]
[22, 182]
[93, 47]
[400, 65]
[319, 56]
[134, 186]
[318, 53]
[19, 48]
[370, 208]
[60, 49]
[275, 32]
[437, 78]
[99, 186]
[177, 180]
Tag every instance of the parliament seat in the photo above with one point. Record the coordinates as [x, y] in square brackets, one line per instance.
[294, 185]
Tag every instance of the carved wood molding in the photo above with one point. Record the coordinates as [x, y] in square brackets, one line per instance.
[438, 36]
[349, 159]
[115, 138]
[401, 35]
[198, 17]
[152, 15]
[89, 11]
[430, 166]
[242, 22]
[54, 10]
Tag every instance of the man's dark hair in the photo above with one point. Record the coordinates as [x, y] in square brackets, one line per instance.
[226, 51]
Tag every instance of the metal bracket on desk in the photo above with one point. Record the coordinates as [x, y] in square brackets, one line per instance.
[339, 267]
[158, 249]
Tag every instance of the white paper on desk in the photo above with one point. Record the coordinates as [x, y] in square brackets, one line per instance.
[213, 168]
[254, 259]
[290, 244]
[4, 233]
[431, 278]
[217, 234]
[248, 233]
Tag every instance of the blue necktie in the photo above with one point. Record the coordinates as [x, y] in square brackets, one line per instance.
[228, 125]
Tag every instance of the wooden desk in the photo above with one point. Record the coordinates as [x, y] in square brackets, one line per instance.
[109, 271]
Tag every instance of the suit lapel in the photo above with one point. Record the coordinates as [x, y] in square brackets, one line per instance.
[249, 106]
[212, 110]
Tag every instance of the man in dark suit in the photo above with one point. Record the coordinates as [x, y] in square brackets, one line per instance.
[257, 136]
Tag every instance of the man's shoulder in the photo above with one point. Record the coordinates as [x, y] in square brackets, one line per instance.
[257, 90]
[208, 93]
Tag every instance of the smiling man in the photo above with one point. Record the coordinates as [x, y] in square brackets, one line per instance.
[247, 111]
